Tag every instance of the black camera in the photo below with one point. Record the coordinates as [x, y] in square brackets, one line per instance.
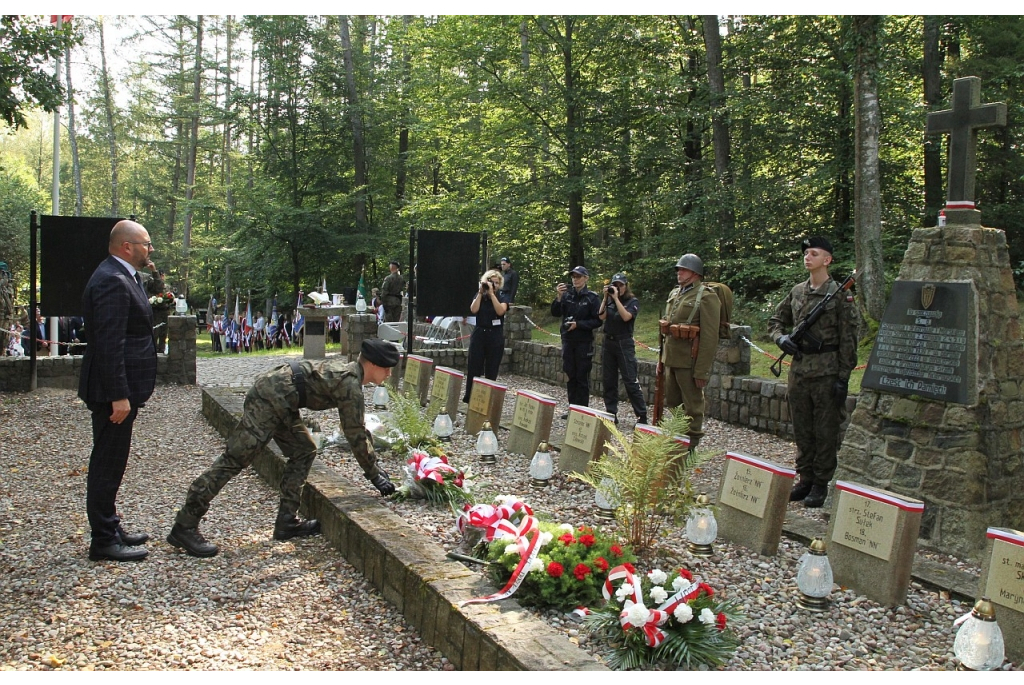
[484, 286]
[566, 323]
[610, 290]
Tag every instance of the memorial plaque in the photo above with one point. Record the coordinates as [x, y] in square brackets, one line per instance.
[313, 328]
[485, 404]
[417, 377]
[1004, 584]
[585, 435]
[446, 390]
[927, 343]
[752, 499]
[873, 536]
[531, 422]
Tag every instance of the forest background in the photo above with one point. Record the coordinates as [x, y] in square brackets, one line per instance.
[269, 153]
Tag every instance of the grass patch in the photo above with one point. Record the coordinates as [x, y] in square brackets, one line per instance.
[204, 349]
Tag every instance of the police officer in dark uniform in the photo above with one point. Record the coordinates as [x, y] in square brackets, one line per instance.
[272, 411]
[819, 375]
[618, 356]
[577, 307]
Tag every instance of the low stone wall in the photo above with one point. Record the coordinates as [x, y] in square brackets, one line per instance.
[178, 366]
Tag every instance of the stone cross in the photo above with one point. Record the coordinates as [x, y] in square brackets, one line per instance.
[962, 122]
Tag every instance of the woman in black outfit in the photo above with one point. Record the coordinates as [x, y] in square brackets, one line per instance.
[487, 344]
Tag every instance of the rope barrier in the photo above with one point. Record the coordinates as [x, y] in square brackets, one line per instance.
[775, 359]
[555, 335]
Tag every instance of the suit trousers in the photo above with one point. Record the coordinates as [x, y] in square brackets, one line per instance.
[577, 361]
[619, 357]
[262, 419]
[111, 443]
[486, 348]
[680, 390]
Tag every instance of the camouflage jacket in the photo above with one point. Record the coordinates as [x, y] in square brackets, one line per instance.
[837, 327]
[333, 383]
[676, 352]
[391, 289]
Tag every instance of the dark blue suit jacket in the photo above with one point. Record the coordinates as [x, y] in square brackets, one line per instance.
[120, 359]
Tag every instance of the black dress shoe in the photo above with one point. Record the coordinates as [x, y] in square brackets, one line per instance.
[117, 552]
[817, 496]
[800, 490]
[132, 540]
[290, 526]
[191, 540]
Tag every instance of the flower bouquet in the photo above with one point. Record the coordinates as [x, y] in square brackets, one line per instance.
[659, 617]
[568, 570]
[429, 476]
[162, 301]
[482, 522]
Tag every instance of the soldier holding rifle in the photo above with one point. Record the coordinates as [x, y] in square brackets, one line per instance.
[816, 324]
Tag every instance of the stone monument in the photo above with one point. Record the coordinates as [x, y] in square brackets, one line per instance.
[1002, 581]
[485, 404]
[940, 413]
[752, 499]
[445, 392]
[531, 422]
[585, 436]
[416, 378]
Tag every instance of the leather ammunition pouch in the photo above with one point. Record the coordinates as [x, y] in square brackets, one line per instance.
[684, 331]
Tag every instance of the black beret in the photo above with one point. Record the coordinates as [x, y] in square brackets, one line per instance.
[816, 241]
[379, 352]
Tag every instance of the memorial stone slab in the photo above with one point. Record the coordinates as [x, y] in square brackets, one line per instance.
[416, 379]
[682, 442]
[397, 373]
[927, 342]
[873, 538]
[752, 499]
[531, 422]
[1002, 581]
[485, 404]
[585, 435]
[445, 392]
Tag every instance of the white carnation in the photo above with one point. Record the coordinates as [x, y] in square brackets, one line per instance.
[536, 565]
[512, 549]
[625, 590]
[678, 583]
[707, 617]
[566, 527]
[657, 576]
[638, 614]
[545, 539]
[683, 613]
[658, 594]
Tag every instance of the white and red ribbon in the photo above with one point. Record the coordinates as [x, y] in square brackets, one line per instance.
[427, 467]
[656, 617]
[494, 518]
[527, 555]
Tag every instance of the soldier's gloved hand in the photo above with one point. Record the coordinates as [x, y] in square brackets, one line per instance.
[840, 389]
[383, 484]
[787, 345]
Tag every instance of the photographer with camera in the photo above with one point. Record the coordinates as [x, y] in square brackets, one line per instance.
[618, 356]
[578, 309]
[487, 343]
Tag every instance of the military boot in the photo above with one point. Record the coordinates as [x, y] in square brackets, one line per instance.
[191, 540]
[816, 497]
[290, 526]
[800, 490]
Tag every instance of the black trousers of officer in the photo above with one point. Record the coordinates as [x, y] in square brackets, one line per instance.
[618, 357]
[577, 361]
[111, 443]
[486, 348]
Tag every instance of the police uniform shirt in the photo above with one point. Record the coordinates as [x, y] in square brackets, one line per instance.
[582, 306]
[613, 323]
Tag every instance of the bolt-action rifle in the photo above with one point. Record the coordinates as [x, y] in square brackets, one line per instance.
[659, 382]
[800, 331]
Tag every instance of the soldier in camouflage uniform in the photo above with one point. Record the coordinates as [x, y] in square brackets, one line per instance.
[688, 353]
[819, 375]
[272, 411]
[391, 293]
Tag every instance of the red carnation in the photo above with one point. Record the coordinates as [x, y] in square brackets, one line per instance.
[616, 550]
[601, 564]
[720, 621]
[685, 573]
[630, 567]
[555, 570]
[707, 589]
[581, 571]
[587, 540]
[567, 539]
[458, 480]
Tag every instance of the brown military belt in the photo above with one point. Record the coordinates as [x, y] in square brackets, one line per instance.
[299, 379]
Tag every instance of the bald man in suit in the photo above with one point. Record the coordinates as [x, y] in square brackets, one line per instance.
[118, 376]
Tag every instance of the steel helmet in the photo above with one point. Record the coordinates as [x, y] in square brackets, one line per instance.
[692, 262]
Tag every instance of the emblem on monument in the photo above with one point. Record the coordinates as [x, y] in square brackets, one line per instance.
[927, 295]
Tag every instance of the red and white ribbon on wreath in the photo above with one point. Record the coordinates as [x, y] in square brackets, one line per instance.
[491, 517]
[655, 617]
[532, 548]
[428, 467]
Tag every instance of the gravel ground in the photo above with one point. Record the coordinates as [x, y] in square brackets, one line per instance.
[268, 605]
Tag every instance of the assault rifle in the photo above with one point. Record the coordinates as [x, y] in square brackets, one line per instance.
[800, 331]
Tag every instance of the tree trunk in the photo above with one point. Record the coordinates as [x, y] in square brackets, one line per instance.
[193, 147]
[574, 162]
[868, 194]
[76, 166]
[108, 106]
[720, 130]
[358, 149]
[403, 128]
[934, 198]
[229, 196]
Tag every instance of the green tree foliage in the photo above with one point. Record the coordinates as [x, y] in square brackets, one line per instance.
[27, 47]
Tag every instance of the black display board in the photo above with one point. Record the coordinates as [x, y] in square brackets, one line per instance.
[70, 249]
[927, 343]
[448, 272]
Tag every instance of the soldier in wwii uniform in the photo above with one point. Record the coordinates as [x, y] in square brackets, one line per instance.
[391, 293]
[272, 411]
[690, 330]
[819, 375]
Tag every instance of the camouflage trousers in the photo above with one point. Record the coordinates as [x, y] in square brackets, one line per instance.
[267, 414]
[680, 389]
[816, 421]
